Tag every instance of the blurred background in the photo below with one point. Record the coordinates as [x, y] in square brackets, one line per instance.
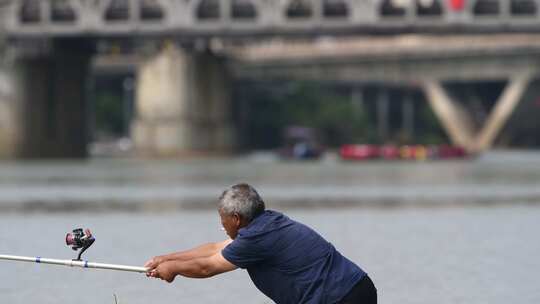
[404, 131]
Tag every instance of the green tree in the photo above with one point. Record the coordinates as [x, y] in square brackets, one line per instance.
[334, 117]
[108, 113]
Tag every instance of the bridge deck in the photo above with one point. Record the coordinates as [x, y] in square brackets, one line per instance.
[268, 17]
[400, 59]
[386, 47]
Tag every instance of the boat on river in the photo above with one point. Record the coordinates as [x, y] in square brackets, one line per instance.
[364, 152]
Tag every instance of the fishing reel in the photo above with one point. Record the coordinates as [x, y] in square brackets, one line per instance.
[79, 239]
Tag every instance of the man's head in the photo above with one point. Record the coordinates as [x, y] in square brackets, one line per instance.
[238, 206]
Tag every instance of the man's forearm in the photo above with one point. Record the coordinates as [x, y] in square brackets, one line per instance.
[202, 251]
[202, 267]
[196, 268]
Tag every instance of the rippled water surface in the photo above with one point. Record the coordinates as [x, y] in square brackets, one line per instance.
[473, 238]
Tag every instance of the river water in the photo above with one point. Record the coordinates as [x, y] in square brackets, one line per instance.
[436, 232]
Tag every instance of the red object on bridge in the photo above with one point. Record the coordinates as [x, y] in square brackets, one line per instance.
[457, 5]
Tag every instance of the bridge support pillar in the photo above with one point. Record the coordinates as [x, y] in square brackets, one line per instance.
[9, 106]
[454, 118]
[10, 113]
[383, 107]
[183, 104]
[504, 107]
[457, 121]
[42, 104]
[408, 116]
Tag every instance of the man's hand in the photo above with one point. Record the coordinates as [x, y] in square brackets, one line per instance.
[164, 271]
[201, 262]
[196, 268]
[154, 262]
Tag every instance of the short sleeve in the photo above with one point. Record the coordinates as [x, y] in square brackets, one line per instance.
[243, 253]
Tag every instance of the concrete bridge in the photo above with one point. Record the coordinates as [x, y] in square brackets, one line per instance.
[417, 62]
[264, 17]
[183, 92]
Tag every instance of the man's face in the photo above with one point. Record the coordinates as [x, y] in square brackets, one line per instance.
[231, 223]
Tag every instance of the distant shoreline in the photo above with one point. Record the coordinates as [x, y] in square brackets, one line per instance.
[161, 207]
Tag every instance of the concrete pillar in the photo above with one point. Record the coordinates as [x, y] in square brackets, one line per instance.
[383, 106]
[128, 86]
[357, 99]
[408, 116]
[183, 104]
[4, 11]
[455, 120]
[10, 111]
[43, 99]
[504, 107]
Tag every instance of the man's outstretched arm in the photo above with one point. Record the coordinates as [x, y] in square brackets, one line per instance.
[204, 267]
[202, 251]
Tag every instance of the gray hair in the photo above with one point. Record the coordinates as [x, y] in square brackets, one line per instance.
[242, 199]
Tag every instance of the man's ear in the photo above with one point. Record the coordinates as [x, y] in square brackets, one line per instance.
[237, 219]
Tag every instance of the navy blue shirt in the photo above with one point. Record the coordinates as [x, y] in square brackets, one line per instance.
[290, 262]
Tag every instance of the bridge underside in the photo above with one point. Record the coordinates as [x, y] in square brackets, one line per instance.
[42, 103]
[182, 102]
[183, 99]
[427, 63]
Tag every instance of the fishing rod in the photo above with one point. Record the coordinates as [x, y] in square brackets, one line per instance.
[81, 240]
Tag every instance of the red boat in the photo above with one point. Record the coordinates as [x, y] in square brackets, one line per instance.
[359, 152]
[389, 152]
[446, 151]
[407, 152]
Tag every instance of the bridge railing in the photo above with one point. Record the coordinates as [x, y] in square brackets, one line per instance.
[222, 17]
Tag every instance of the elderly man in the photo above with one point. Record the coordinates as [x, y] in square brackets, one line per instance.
[288, 261]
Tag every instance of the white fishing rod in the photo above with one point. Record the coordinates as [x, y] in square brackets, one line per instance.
[74, 263]
[82, 240]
